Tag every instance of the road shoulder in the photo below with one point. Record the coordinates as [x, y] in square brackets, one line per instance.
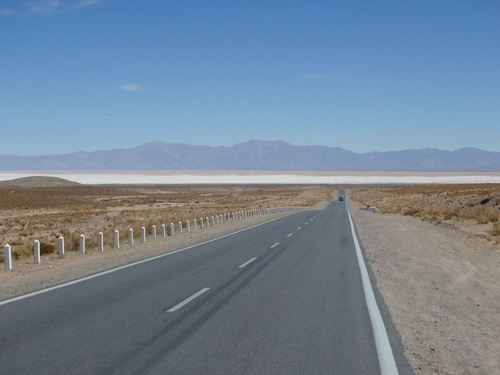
[441, 288]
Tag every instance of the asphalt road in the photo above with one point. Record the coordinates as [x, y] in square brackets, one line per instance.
[285, 297]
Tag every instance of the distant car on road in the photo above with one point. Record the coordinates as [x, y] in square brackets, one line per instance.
[341, 198]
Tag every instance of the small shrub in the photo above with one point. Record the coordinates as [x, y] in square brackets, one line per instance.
[449, 214]
[483, 215]
[496, 229]
[411, 211]
[47, 248]
[22, 252]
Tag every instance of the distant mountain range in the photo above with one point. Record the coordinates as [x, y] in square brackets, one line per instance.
[258, 155]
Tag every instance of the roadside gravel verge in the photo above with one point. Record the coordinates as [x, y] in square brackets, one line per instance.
[442, 289]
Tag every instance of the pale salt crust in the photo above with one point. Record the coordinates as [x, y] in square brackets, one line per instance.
[259, 177]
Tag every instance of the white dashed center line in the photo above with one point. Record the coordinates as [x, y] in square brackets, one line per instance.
[187, 300]
[289, 235]
[247, 263]
[276, 244]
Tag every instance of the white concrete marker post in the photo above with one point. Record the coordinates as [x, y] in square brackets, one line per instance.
[36, 251]
[131, 237]
[100, 242]
[153, 232]
[195, 225]
[143, 234]
[201, 223]
[207, 222]
[82, 244]
[60, 244]
[117, 239]
[172, 229]
[163, 230]
[188, 227]
[180, 226]
[8, 257]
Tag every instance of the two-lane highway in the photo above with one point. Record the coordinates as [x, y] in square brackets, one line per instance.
[285, 297]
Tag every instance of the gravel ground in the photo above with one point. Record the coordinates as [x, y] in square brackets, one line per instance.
[442, 289]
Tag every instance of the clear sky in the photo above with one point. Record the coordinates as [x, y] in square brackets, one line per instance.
[86, 75]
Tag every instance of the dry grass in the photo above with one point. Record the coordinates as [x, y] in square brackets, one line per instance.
[496, 230]
[475, 207]
[44, 214]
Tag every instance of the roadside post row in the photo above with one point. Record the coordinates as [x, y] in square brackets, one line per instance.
[203, 223]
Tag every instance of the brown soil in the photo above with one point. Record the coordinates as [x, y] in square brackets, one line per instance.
[474, 209]
[33, 213]
[440, 281]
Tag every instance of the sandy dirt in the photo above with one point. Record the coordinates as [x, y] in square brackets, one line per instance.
[441, 286]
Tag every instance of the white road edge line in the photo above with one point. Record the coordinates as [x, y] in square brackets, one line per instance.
[276, 244]
[247, 263]
[85, 278]
[187, 300]
[289, 235]
[386, 360]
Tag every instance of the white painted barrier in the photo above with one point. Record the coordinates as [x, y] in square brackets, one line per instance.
[100, 242]
[8, 257]
[207, 222]
[36, 252]
[60, 244]
[117, 239]
[82, 244]
[131, 237]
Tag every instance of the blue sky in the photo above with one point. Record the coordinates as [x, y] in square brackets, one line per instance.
[86, 75]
